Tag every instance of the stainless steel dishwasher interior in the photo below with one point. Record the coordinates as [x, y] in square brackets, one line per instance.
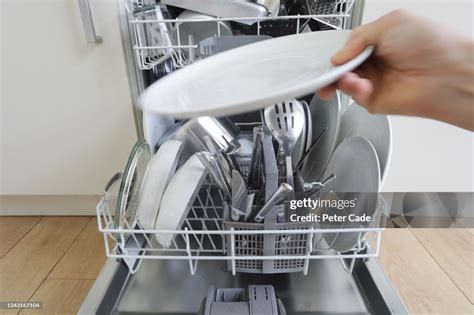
[168, 287]
[327, 289]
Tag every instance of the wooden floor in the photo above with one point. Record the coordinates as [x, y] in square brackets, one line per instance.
[55, 260]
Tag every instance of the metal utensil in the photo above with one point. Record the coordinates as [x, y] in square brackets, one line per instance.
[270, 166]
[271, 172]
[286, 122]
[248, 208]
[310, 189]
[239, 191]
[220, 160]
[193, 131]
[330, 178]
[233, 145]
[233, 148]
[299, 183]
[254, 178]
[311, 148]
[217, 44]
[281, 193]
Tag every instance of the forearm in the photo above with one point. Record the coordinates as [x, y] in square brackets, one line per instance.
[453, 100]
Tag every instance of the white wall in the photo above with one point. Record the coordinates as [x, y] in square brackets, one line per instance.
[66, 117]
[429, 155]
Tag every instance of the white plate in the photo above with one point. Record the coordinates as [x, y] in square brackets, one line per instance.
[178, 198]
[356, 121]
[252, 77]
[357, 171]
[323, 114]
[158, 174]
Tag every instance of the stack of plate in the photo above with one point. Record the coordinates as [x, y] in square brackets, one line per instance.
[356, 148]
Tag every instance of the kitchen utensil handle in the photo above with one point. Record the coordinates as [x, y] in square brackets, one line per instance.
[88, 22]
[313, 145]
[253, 178]
[330, 178]
[289, 175]
[277, 196]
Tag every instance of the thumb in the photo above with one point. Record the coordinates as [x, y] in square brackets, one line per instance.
[360, 38]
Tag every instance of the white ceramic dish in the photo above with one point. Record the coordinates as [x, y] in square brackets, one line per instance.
[323, 114]
[158, 174]
[356, 121]
[357, 171]
[252, 77]
[178, 198]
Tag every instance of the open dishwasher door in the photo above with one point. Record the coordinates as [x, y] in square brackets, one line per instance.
[167, 287]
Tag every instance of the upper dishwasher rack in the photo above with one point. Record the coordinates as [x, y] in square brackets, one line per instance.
[157, 38]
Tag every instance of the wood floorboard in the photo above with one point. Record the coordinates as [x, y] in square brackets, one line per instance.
[12, 230]
[24, 267]
[423, 286]
[453, 250]
[85, 257]
[60, 296]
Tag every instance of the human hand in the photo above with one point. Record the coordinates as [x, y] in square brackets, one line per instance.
[418, 68]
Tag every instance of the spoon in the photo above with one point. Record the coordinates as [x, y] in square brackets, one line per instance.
[286, 122]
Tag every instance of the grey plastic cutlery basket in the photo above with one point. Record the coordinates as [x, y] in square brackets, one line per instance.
[279, 244]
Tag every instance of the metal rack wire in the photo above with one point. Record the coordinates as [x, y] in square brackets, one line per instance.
[204, 236]
[157, 39]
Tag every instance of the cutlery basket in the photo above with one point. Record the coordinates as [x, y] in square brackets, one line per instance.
[279, 244]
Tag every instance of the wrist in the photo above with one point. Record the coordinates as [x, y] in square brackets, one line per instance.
[452, 90]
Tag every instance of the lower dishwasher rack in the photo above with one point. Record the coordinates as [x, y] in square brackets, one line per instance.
[165, 287]
[206, 235]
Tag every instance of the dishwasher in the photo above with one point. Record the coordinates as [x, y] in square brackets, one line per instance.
[211, 263]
